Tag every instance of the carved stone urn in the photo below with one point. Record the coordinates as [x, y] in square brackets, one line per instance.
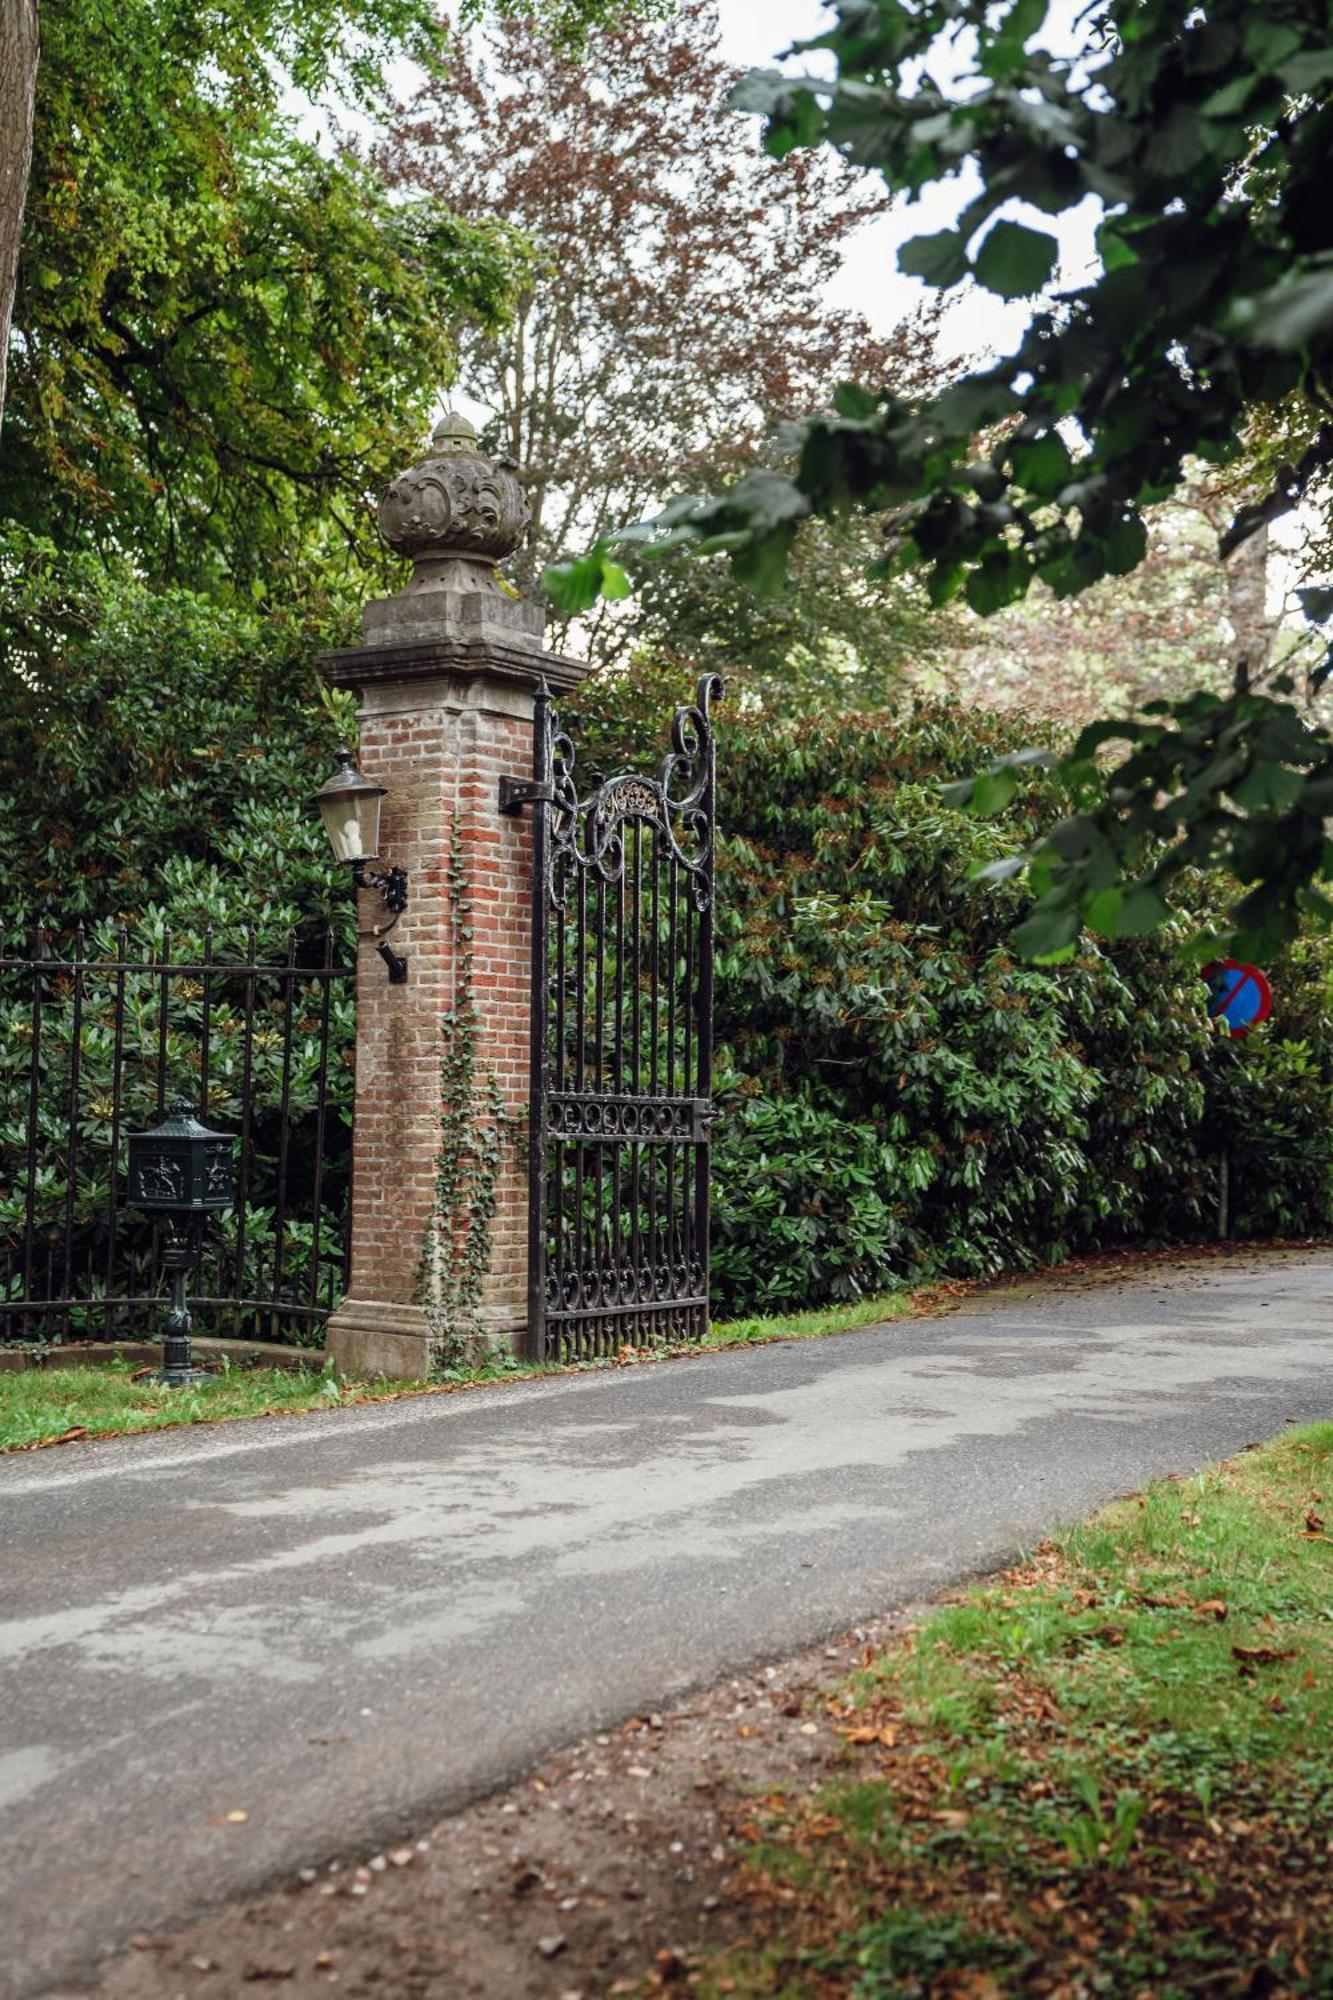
[455, 514]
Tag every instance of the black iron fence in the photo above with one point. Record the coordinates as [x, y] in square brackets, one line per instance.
[98, 1032]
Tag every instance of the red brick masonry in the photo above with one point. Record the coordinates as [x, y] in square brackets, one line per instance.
[440, 745]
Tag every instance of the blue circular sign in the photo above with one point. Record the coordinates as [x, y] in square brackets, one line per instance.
[1239, 995]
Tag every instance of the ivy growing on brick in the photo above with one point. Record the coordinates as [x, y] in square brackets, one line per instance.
[477, 1127]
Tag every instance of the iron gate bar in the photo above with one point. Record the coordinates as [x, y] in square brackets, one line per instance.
[72, 1259]
[621, 1040]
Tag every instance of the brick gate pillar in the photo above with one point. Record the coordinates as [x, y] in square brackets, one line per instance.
[446, 679]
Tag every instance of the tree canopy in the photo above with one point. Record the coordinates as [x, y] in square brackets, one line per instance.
[674, 311]
[1203, 131]
[226, 333]
[223, 335]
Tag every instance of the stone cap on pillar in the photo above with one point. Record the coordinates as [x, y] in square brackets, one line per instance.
[456, 514]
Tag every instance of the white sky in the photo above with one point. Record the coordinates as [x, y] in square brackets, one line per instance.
[753, 37]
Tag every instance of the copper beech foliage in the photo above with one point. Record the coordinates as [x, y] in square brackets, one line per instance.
[677, 307]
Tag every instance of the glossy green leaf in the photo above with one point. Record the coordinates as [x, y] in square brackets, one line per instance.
[1043, 465]
[940, 259]
[1015, 261]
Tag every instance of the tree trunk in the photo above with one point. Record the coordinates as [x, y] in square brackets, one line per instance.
[18, 83]
[1247, 607]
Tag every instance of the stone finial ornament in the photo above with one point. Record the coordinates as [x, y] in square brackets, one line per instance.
[456, 513]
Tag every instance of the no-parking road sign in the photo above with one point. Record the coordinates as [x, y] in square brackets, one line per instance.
[1238, 994]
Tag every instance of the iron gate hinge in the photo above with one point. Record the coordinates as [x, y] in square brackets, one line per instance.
[515, 793]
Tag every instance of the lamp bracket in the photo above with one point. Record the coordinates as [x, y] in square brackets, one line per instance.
[395, 961]
[390, 882]
[515, 793]
[391, 886]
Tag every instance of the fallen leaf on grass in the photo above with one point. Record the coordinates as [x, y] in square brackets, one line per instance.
[1212, 1607]
[1313, 1523]
[1262, 1656]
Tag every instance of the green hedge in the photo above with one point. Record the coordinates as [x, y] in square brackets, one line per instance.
[902, 1099]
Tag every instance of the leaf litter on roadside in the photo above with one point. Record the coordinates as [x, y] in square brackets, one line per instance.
[1033, 1799]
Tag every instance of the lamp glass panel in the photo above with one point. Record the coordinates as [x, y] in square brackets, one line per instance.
[352, 822]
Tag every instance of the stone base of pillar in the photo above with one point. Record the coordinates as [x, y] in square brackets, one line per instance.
[370, 1337]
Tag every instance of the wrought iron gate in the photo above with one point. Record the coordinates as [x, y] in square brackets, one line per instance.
[622, 1043]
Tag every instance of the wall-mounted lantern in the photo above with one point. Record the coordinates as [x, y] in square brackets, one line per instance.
[182, 1172]
[349, 806]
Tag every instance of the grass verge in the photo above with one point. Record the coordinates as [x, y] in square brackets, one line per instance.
[59, 1405]
[811, 1325]
[66, 1405]
[1111, 1772]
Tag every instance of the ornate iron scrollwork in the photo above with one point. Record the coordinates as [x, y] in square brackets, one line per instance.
[621, 1039]
[588, 833]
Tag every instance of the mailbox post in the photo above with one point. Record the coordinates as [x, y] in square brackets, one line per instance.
[182, 1172]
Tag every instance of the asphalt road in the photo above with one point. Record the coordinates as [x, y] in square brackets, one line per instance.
[345, 1624]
